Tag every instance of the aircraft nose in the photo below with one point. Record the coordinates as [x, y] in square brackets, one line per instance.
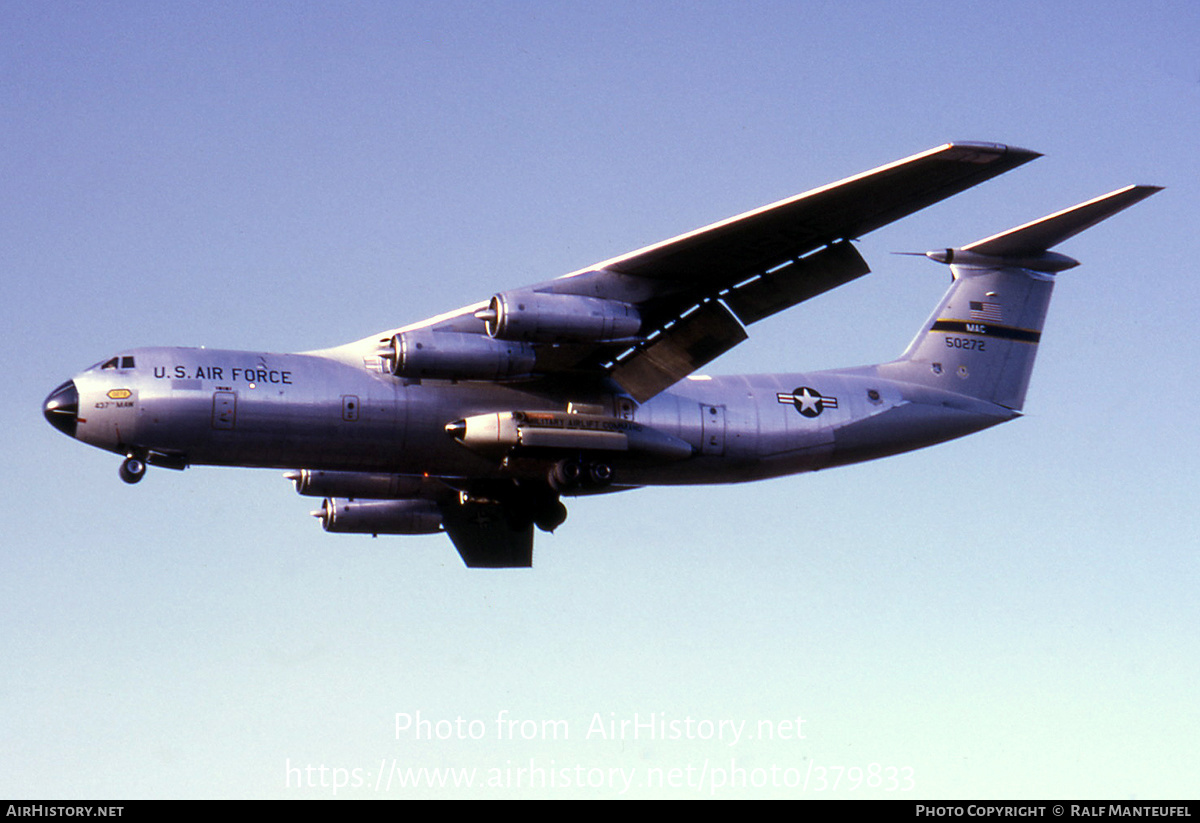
[62, 408]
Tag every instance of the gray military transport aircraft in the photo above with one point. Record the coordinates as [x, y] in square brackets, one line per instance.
[478, 421]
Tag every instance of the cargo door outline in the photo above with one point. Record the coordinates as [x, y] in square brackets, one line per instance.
[224, 413]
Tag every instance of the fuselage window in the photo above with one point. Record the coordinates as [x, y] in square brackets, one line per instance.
[127, 362]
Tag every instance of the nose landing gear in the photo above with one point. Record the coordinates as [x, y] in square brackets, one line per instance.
[133, 469]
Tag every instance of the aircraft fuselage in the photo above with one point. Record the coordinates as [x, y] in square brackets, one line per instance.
[186, 406]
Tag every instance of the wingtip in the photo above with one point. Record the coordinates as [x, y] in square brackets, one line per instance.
[1130, 194]
[997, 149]
[1028, 154]
[1138, 193]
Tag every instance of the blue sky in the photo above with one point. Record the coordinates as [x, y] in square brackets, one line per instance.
[1010, 615]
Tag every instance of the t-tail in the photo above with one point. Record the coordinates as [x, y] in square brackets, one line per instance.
[982, 338]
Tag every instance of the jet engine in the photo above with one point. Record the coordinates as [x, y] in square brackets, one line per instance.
[559, 318]
[457, 356]
[339, 514]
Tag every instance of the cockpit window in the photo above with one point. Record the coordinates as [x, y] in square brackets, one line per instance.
[121, 362]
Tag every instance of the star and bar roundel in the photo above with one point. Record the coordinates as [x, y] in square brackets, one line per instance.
[808, 401]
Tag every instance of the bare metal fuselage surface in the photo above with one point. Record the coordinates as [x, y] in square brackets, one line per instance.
[477, 422]
[230, 408]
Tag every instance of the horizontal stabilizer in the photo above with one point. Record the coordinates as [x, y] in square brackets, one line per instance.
[1041, 235]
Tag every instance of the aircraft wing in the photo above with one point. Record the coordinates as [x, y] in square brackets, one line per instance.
[691, 296]
[731, 250]
[746, 268]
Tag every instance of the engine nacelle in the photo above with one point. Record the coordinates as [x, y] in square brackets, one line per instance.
[379, 516]
[378, 485]
[499, 432]
[457, 356]
[559, 318]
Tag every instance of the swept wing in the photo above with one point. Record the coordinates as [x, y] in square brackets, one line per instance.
[665, 310]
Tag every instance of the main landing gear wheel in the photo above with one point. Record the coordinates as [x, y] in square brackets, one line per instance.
[551, 516]
[132, 470]
[577, 475]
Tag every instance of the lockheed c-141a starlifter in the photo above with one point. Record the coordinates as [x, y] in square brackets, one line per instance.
[477, 422]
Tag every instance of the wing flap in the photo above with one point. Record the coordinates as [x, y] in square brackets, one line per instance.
[690, 343]
[827, 269]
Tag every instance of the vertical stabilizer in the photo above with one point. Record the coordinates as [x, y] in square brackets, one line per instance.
[982, 338]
